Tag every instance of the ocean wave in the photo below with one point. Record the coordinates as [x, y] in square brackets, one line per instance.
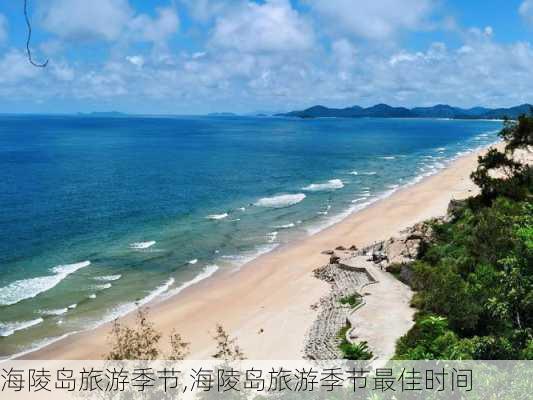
[193, 261]
[360, 199]
[272, 236]
[388, 158]
[285, 226]
[241, 208]
[280, 201]
[59, 311]
[103, 286]
[240, 259]
[332, 184]
[72, 306]
[92, 296]
[108, 278]
[393, 186]
[31, 287]
[369, 173]
[206, 273]
[9, 328]
[353, 173]
[142, 245]
[217, 216]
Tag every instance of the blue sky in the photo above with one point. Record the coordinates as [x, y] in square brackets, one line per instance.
[197, 56]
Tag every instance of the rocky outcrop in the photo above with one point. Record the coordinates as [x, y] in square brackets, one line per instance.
[402, 249]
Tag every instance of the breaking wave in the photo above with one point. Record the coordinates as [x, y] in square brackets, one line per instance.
[9, 328]
[31, 287]
[332, 184]
[142, 245]
[280, 201]
[217, 216]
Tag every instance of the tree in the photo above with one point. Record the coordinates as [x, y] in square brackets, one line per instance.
[498, 173]
[141, 342]
[227, 348]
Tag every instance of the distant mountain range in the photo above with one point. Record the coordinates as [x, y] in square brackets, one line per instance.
[386, 111]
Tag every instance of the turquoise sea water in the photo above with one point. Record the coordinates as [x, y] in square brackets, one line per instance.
[99, 213]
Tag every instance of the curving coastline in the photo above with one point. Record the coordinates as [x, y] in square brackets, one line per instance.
[267, 304]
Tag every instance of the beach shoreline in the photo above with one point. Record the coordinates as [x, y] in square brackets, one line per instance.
[267, 303]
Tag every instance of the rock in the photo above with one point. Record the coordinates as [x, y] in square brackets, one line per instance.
[328, 252]
[353, 247]
[454, 208]
[378, 257]
[334, 259]
[340, 248]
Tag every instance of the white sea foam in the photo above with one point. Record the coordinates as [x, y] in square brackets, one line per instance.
[59, 311]
[360, 199]
[9, 328]
[241, 208]
[238, 260]
[332, 184]
[142, 245]
[388, 157]
[206, 273]
[108, 278]
[92, 296]
[193, 261]
[285, 226]
[280, 201]
[158, 291]
[217, 216]
[354, 173]
[124, 309]
[272, 236]
[31, 287]
[393, 186]
[72, 306]
[369, 173]
[103, 286]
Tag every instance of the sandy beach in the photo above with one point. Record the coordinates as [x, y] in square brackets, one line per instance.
[267, 303]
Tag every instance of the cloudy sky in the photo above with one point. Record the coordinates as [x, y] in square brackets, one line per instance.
[197, 56]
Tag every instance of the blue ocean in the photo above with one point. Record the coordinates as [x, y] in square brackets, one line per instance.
[100, 214]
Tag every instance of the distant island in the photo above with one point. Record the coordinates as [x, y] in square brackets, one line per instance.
[386, 111]
[222, 114]
[102, 114]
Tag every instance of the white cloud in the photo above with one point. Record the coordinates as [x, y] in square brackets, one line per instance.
[205, 10]
[136, 60]
[156, 30]
[272, 26]
[87, 20]
[3, 28]
[526, 11]
[15, 68]
[376, 19]
[108, 20]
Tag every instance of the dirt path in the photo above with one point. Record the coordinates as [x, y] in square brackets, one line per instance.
[386, 315]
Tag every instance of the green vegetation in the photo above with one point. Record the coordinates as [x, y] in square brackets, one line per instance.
[141, 342]
[353, 351]
[352, 300]
[474, 281]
